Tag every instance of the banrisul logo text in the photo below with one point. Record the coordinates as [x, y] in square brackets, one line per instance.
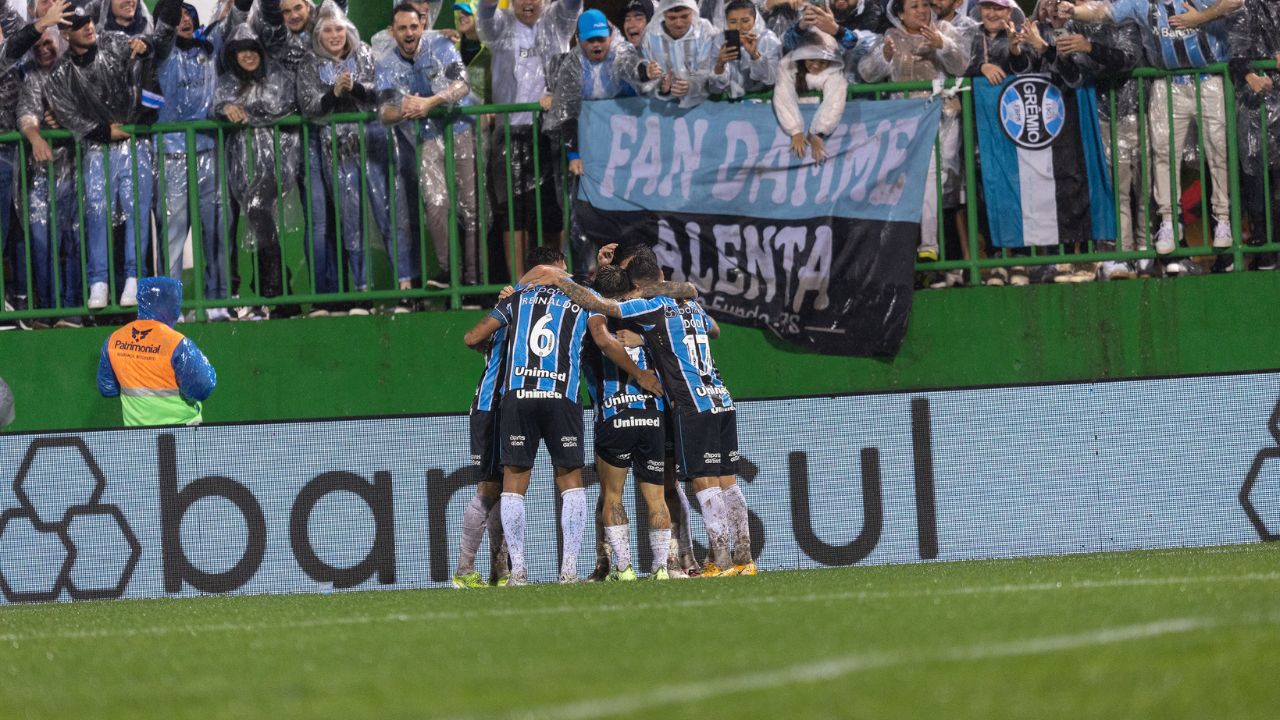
[1032, 111]
[310, 507]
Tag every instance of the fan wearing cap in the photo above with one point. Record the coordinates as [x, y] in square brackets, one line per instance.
[750, 63]
[188, 78]
[93, 91]
[681, 50]
[816, 65]
[635, 18]
[158, 373]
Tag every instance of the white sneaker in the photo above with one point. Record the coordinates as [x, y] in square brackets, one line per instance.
[1222, 235]
[218, 315]
[1164, 238]
[97, 296]
[129, 296]
[1112, 270]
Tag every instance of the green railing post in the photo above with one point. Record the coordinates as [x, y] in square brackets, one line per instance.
[451, 188]
[971, 183]
[194, 221]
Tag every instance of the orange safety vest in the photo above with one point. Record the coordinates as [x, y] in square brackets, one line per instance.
[141, 354]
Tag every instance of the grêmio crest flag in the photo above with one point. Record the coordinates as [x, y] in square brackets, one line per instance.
[822, 255]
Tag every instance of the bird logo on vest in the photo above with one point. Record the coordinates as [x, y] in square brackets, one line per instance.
[139, 335]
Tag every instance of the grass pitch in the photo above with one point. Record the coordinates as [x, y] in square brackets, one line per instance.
[1165, 634]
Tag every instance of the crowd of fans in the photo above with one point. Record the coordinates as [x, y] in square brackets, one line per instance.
[94, 67]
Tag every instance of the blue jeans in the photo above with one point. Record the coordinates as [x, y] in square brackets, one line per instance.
[67, 253]
[136, 206]
[178, 221]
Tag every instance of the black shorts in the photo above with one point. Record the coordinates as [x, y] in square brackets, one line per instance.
[529, 421]
[634, 439]
[706, 444]
[484, 445]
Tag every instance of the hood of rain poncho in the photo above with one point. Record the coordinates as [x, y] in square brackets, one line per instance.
[330, 13]
[666, 5]
[160, 298]
[244, 38]
[717, 12]
[1016, 15]
[897, 21]
[141, 24]
[817, 45]
[6, 404]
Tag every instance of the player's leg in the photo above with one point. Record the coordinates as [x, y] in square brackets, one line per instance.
[681, 560]
[617, 528]
[652, 490]
[694, 449]
[604, 554]
[519, 448]
[474, 523]
[562, 430]
[648, 463]
[731, 496]
[481, 509]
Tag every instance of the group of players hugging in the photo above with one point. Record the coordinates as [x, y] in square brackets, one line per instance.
[661, 411]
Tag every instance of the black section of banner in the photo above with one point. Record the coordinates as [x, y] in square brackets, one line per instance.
[834, 286]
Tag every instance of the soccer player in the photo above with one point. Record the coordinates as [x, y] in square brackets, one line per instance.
[483, 512]
[545, 334]
[629, 434]
[678, 332]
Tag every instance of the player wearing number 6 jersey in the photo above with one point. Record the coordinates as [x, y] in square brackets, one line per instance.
[678, 333]
[546, 330]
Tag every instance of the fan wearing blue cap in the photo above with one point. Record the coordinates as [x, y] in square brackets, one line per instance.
[601, 66]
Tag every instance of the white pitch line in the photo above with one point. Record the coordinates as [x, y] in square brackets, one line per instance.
[523, 612]
[835, 668]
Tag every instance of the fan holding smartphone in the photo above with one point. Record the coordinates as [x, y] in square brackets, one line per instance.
[748, 53]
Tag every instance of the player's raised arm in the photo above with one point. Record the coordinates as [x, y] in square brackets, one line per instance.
[673, 290]
[549, 275]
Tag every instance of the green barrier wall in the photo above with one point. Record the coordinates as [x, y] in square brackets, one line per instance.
[410, 364]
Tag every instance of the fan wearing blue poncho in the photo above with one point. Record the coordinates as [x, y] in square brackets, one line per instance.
[159, 374]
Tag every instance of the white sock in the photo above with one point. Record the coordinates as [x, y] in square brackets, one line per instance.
[713, 518]
[684, 538]
[513, 530]
[473, 521]
[739, 523]
[573, 521]
[660, 541]
[620, 540]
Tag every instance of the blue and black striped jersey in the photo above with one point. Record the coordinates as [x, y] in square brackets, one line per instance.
[612, 390]
[489, 391]
[676, 333]
[545, 332]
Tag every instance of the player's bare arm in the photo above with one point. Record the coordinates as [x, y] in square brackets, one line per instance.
[477, 338]
[613, 350]
[673, 290]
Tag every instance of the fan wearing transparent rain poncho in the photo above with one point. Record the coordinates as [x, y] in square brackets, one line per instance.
[683, 46]
[921, 47]
[748, 52]
[816, 64]
[602, 66]
[339, 78]
[188, 79]
[525, 41]
[33, 116]
[10, 80]
[257, 92]
[36, 47]
[418, 77]
[95, 89]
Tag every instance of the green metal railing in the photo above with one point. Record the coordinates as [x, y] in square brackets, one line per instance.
[493, 125]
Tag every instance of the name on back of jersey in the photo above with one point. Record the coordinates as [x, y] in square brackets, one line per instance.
[551, 298]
